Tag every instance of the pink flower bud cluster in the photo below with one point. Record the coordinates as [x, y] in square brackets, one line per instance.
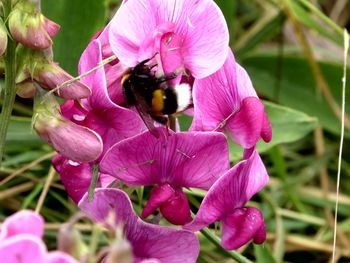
[190, 38]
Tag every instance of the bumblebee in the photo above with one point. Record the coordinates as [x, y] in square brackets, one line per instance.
[152, 96]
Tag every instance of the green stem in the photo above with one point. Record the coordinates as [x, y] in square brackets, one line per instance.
[216, 241]
[9, 91]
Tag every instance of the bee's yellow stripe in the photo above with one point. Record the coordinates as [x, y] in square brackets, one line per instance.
[125, 77]
[158, 101]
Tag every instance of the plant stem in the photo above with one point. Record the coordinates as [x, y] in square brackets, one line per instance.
[9, 91]
[216, 241]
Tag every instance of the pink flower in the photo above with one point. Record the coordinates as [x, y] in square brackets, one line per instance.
[227, 101]
[100, 114]
[173, 161]
[186, 33]
[225, 200]
[150, 243]
[20, 241]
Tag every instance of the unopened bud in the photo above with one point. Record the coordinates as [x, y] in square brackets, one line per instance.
[38, 65]
[120, 250]
[29, 27]
[72, 141]
[26, 89]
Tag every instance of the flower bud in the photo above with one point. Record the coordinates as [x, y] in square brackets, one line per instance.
[120, 250]
[3, 37]
[26, 89]
[29, 27]
[72, 141]
[38, 65]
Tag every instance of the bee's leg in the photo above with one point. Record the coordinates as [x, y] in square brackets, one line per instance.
[161, 119]
[166, 77]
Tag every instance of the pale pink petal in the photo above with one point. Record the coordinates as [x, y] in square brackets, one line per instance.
[231, 191]
[23, 222]
[59, 257]
[180, 159]
[138, 26]
[76, 177]
[22, 248]
[242, 226]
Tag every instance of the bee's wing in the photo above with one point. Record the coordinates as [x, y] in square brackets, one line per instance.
[142, 108]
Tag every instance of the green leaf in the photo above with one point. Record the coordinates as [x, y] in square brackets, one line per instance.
[288, 125]
[79, 21]
[21, 136]
[263, 254]
[289, 81]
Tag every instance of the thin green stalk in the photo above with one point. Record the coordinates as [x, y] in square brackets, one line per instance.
[9, 91]
[216, 241]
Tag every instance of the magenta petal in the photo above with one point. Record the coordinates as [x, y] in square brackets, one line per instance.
[246, 125]
[59, 257]
[148, 241]
[96, 80]
[163, 243]
[180, 159]
[22, 248]
[76, 177]
[107, 202]
[159, 195]
[177, 209]
[231, 191]
[23, 222]
[266, 131]
[242, 226]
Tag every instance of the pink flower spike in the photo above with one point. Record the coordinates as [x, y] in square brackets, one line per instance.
[231, 192]
[23, 222]
[150, 243]
[227, 101]
[243, 225]
[198, 29]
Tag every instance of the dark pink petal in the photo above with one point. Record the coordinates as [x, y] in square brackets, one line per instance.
[76, 177]
[179, 159]
[159, 195]
[245, 126]
[114, 124]
[177, 209]
[266, 131]
[23, 222]
[73, 141]
[138, 26]
[74, 111]
[22, 248]
[59, 257]
[231, 191]
[149, 242]
[243, 225]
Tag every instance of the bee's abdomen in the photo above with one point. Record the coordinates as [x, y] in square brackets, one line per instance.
[170, 101]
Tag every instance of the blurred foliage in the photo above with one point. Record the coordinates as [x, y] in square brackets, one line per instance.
[298, 204]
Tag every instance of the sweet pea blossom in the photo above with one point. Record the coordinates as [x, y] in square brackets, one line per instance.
[225, 201]
[226, 100]
[21, 241]
[189, 34]
[150, 243]
[168, 163]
